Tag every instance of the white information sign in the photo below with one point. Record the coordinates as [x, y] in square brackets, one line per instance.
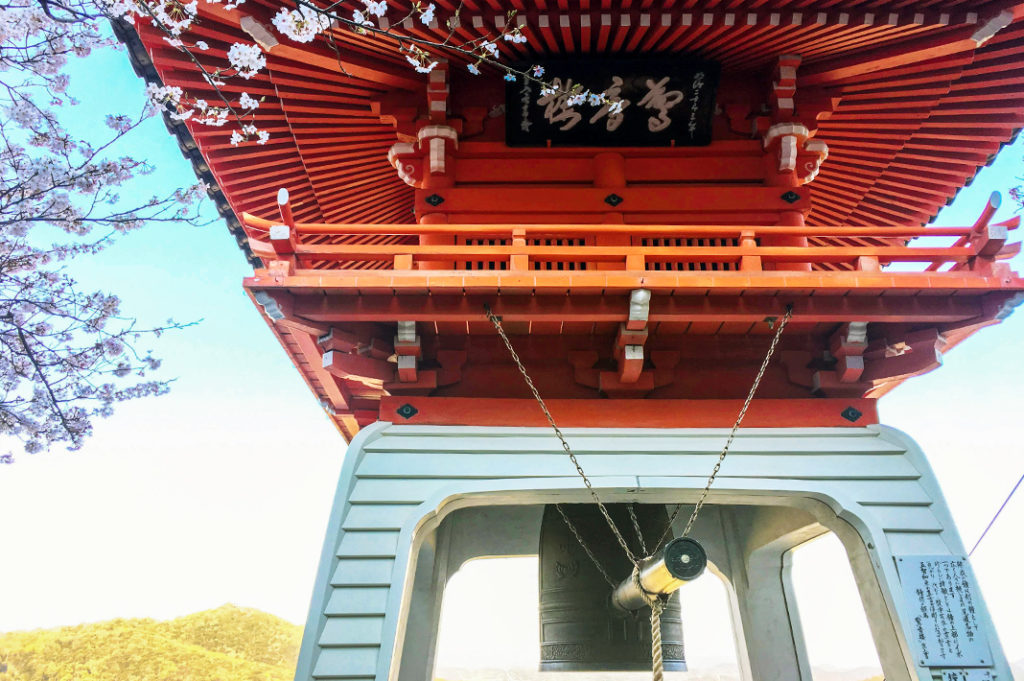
[941, 597]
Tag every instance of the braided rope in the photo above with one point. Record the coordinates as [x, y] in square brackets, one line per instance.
[657, 662]
[657, 605]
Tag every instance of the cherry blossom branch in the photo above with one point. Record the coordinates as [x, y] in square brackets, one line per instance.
[306, 22]
[66, 355]
[482, 49]
[41, 376]
[210, 78]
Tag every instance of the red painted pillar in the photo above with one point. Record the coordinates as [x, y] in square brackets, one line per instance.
[434, 240]
[787, 218]
[610, 175]
[438, 216]
[791, 218]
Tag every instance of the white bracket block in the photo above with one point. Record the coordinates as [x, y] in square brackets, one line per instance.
[406, 332]
[858, 332]
[270, 306]
[639, 308]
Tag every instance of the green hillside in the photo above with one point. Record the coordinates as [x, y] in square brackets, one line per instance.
[226, 644]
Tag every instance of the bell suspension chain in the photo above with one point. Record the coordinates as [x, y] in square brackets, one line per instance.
[572, 457]
[732, 434]
[655, 601]
[636, 528]
[657, 604]
[586, 548]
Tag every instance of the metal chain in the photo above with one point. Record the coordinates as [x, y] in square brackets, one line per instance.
[655, 603]
[732, 434]
[565, 445]
[657, 661]
[636, 526]
[593, 559]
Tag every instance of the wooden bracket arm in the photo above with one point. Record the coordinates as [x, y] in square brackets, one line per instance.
[610, 384]
[797, 363]
[631, 363]
[921, 352]
[356, 367]
[451, 362]
[583, 362]
[279, 307]
[425, 383]
[850, 339]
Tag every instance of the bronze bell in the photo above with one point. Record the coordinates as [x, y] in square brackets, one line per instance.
[580, 630]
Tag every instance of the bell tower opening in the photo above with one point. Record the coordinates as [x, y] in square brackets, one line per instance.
[832, 618]
[489, 623]
[487, 604]
[489, 618]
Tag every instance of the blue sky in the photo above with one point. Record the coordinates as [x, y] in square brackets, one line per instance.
[219, 492]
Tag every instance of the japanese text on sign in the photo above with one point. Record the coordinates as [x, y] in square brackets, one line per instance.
[942, 601]
[967, 675]
[633, 102]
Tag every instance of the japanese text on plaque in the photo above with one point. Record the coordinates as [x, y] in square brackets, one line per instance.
[942, 603]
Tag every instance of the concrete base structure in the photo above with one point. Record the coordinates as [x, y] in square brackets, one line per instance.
[416, 502]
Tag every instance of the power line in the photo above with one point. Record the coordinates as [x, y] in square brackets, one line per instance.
[991, 522]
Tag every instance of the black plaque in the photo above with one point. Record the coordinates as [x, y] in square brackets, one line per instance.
[666, 100]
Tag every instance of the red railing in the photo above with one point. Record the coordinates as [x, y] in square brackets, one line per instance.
[523, 247]
[622, 247]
